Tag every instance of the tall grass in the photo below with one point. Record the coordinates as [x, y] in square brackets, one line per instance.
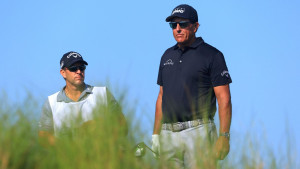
[102, 144]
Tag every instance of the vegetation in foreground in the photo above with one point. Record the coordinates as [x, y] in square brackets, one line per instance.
[102, 145]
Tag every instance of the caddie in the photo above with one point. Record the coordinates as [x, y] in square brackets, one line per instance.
[73, 105]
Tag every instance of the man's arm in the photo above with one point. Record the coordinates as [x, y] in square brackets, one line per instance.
[158, 112]
[225, 112]
[115, 107]
[46, 129]
[47, 136]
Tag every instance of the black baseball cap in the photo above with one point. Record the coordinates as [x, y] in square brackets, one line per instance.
[70, 58]
[183, 11]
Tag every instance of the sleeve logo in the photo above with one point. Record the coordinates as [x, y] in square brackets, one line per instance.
[225, 73]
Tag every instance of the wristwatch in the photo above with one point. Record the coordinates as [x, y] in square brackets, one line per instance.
[225, 134]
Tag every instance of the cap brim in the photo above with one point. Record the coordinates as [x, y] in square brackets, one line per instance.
[76, 61]
[82, 61]
[170, 18]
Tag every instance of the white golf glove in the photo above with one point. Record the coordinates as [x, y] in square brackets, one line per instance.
[155, 145]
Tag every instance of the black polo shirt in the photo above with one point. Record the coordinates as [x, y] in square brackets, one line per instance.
[188, 77]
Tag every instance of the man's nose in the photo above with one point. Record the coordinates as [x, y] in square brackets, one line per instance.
[78, 71]
[178, 28]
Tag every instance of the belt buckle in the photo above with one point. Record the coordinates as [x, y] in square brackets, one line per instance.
[177, 127]
[195, 123]
[167, 126]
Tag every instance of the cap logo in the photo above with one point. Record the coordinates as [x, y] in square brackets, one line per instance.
[178, 10]
[75, 55]
[62, 64]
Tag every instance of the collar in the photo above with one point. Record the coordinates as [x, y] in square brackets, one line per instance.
[197, 43]
[62, 97]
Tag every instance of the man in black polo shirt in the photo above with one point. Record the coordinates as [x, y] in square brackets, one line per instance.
[192, 76]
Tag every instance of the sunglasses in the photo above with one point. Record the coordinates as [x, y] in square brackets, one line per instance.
[75, 68]
[182, 24]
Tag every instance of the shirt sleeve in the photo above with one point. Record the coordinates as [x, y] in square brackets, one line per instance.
[219, 72]
[159, 78]
[46, 119]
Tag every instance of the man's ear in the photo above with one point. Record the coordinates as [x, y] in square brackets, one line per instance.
[196, 26]
[63, 73]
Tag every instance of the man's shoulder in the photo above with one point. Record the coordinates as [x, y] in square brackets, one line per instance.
[100, 90]
[54, 97]
[170, 49]
[97, 88]
[169, 52]
[57, 95]
[54, 94]
[209, 48]
[90, 89]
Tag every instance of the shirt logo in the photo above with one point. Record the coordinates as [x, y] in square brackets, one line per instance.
[178, 10]
[169, 62]
[225, 72]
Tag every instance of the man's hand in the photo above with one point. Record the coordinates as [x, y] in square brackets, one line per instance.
[46, 138]
[222, 147]
[155, 145]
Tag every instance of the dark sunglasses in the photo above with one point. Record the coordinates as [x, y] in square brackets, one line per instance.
[182, 24]
[75, 68]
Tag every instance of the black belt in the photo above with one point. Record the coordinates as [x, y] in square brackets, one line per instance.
[179, 126]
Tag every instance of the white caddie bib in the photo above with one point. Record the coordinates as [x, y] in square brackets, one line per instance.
[73, 114]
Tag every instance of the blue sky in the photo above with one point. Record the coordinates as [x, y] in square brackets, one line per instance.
[124, 40]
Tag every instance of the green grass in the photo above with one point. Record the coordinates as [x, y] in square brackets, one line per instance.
[102, 145]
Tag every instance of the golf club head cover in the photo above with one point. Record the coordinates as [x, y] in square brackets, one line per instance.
[156, 145]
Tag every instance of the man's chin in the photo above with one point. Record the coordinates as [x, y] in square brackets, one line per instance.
[180, 40]
[79, 83]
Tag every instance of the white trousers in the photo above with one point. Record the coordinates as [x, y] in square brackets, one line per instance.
[190, 148]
